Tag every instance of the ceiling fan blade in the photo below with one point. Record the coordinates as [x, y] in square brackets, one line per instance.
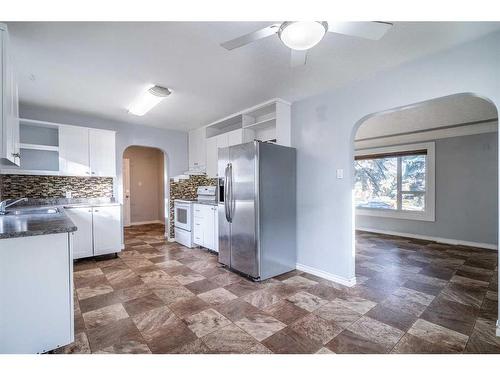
[367, 30]
[251, 37]
[297, 58]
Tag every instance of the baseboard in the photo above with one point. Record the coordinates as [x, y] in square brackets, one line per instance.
[326, 275]
[498, 328]
[448, 241]
[146, 222]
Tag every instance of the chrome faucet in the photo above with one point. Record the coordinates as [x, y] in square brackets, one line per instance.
[4, 204]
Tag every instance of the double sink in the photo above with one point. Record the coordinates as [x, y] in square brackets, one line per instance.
[34, 211]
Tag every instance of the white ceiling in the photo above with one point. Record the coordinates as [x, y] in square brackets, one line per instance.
[434, 114]
[99, 68]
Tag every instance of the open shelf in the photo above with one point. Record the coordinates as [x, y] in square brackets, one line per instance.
[261, 124]
[32, 146]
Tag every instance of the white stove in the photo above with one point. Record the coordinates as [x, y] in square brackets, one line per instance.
[183, 214]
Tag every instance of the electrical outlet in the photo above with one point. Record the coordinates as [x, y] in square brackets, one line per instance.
[68, 194]
[340, 173]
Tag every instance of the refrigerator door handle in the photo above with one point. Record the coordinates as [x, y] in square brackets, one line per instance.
[226, 193]
[231, 199]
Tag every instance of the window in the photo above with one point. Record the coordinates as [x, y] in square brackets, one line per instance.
[395, 182]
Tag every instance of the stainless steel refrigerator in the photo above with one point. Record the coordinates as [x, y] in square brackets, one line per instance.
[257, 209]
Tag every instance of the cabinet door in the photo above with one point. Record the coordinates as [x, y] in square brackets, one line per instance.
[235, 137]
[211, 151]
[209, 228]
[74, 151]
[107, 230]
[197, 153]
[102, 153]
[82, 238]
[198, 224]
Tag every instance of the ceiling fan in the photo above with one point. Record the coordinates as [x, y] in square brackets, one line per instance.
[300, 36]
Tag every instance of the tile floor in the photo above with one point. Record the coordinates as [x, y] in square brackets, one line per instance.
[412, 296]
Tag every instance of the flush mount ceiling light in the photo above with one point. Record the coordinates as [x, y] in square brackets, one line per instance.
[302, 35]
[147, 100]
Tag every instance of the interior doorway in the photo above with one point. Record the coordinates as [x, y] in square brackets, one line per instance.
[143, 186]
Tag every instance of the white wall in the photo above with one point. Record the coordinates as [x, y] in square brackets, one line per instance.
[323, 129]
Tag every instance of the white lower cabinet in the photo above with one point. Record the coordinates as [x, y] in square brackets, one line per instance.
[36, 293]
[205, 226]
[107, 229]
[99, 230]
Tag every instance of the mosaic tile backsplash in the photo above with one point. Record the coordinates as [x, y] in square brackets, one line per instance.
[186, 189]
[15, 186]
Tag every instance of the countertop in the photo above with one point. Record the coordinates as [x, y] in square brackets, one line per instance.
[12, 226]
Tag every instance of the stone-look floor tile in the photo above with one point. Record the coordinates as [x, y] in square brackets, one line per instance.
[485, 333]
[88, 291]
[287, 275]
[260, 326]
[79, 323]
[357, 304]
[338, 313]
[410, 344]
[408, 300]
[217, 296]
[397, 319]
[155, 322]
[324, 350]
[439, 272]
[79, 346]
[188, 278]
[285, 311]
[134, 292]
[231, 339]
[142, 304]
[466, 295]
[300, 282]
[201, 286]
[84, 264]
[188, 306]
[317, 329]
[91, 272]
[158, 279]
[325, 292]
[243, 287]
[452, 315]
[123, 330]
[193, 347]
[171, 337]
[206, 322]
[468, 282]
[288, 341]
[104, 315]
[306, 301]
[348, 342]
[225, 278]
[237, 309]
[173, 294]
[262, 298]
[481, 274]
[436, 334]
[128, 347]
[96, 302]
[377, 332]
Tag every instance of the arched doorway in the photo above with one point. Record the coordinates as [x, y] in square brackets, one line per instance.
[144, 186]
[425, 212]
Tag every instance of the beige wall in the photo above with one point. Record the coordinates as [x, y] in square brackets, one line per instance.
[146, 183]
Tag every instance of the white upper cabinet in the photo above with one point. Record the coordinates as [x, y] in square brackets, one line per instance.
[102, 153]
[86, 152]
[211, 159]
[197, 149]
[9, 104]
[74, 151]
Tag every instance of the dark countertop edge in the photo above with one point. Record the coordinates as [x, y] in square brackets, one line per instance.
[41, 232]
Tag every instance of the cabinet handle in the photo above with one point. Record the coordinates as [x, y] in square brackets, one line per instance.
[93, 172]
[87, 173]
[96, 210]
[16, 154]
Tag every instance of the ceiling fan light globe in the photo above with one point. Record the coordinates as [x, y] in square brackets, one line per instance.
[302, 35]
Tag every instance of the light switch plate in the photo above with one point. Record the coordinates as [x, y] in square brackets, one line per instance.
[340, 173]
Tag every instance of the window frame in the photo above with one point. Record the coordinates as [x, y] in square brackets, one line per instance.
[429, 212]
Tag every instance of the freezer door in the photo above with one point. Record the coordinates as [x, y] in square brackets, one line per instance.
[242, 196]
[223, 209]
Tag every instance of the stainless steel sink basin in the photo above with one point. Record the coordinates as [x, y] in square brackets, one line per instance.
[34, 211]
